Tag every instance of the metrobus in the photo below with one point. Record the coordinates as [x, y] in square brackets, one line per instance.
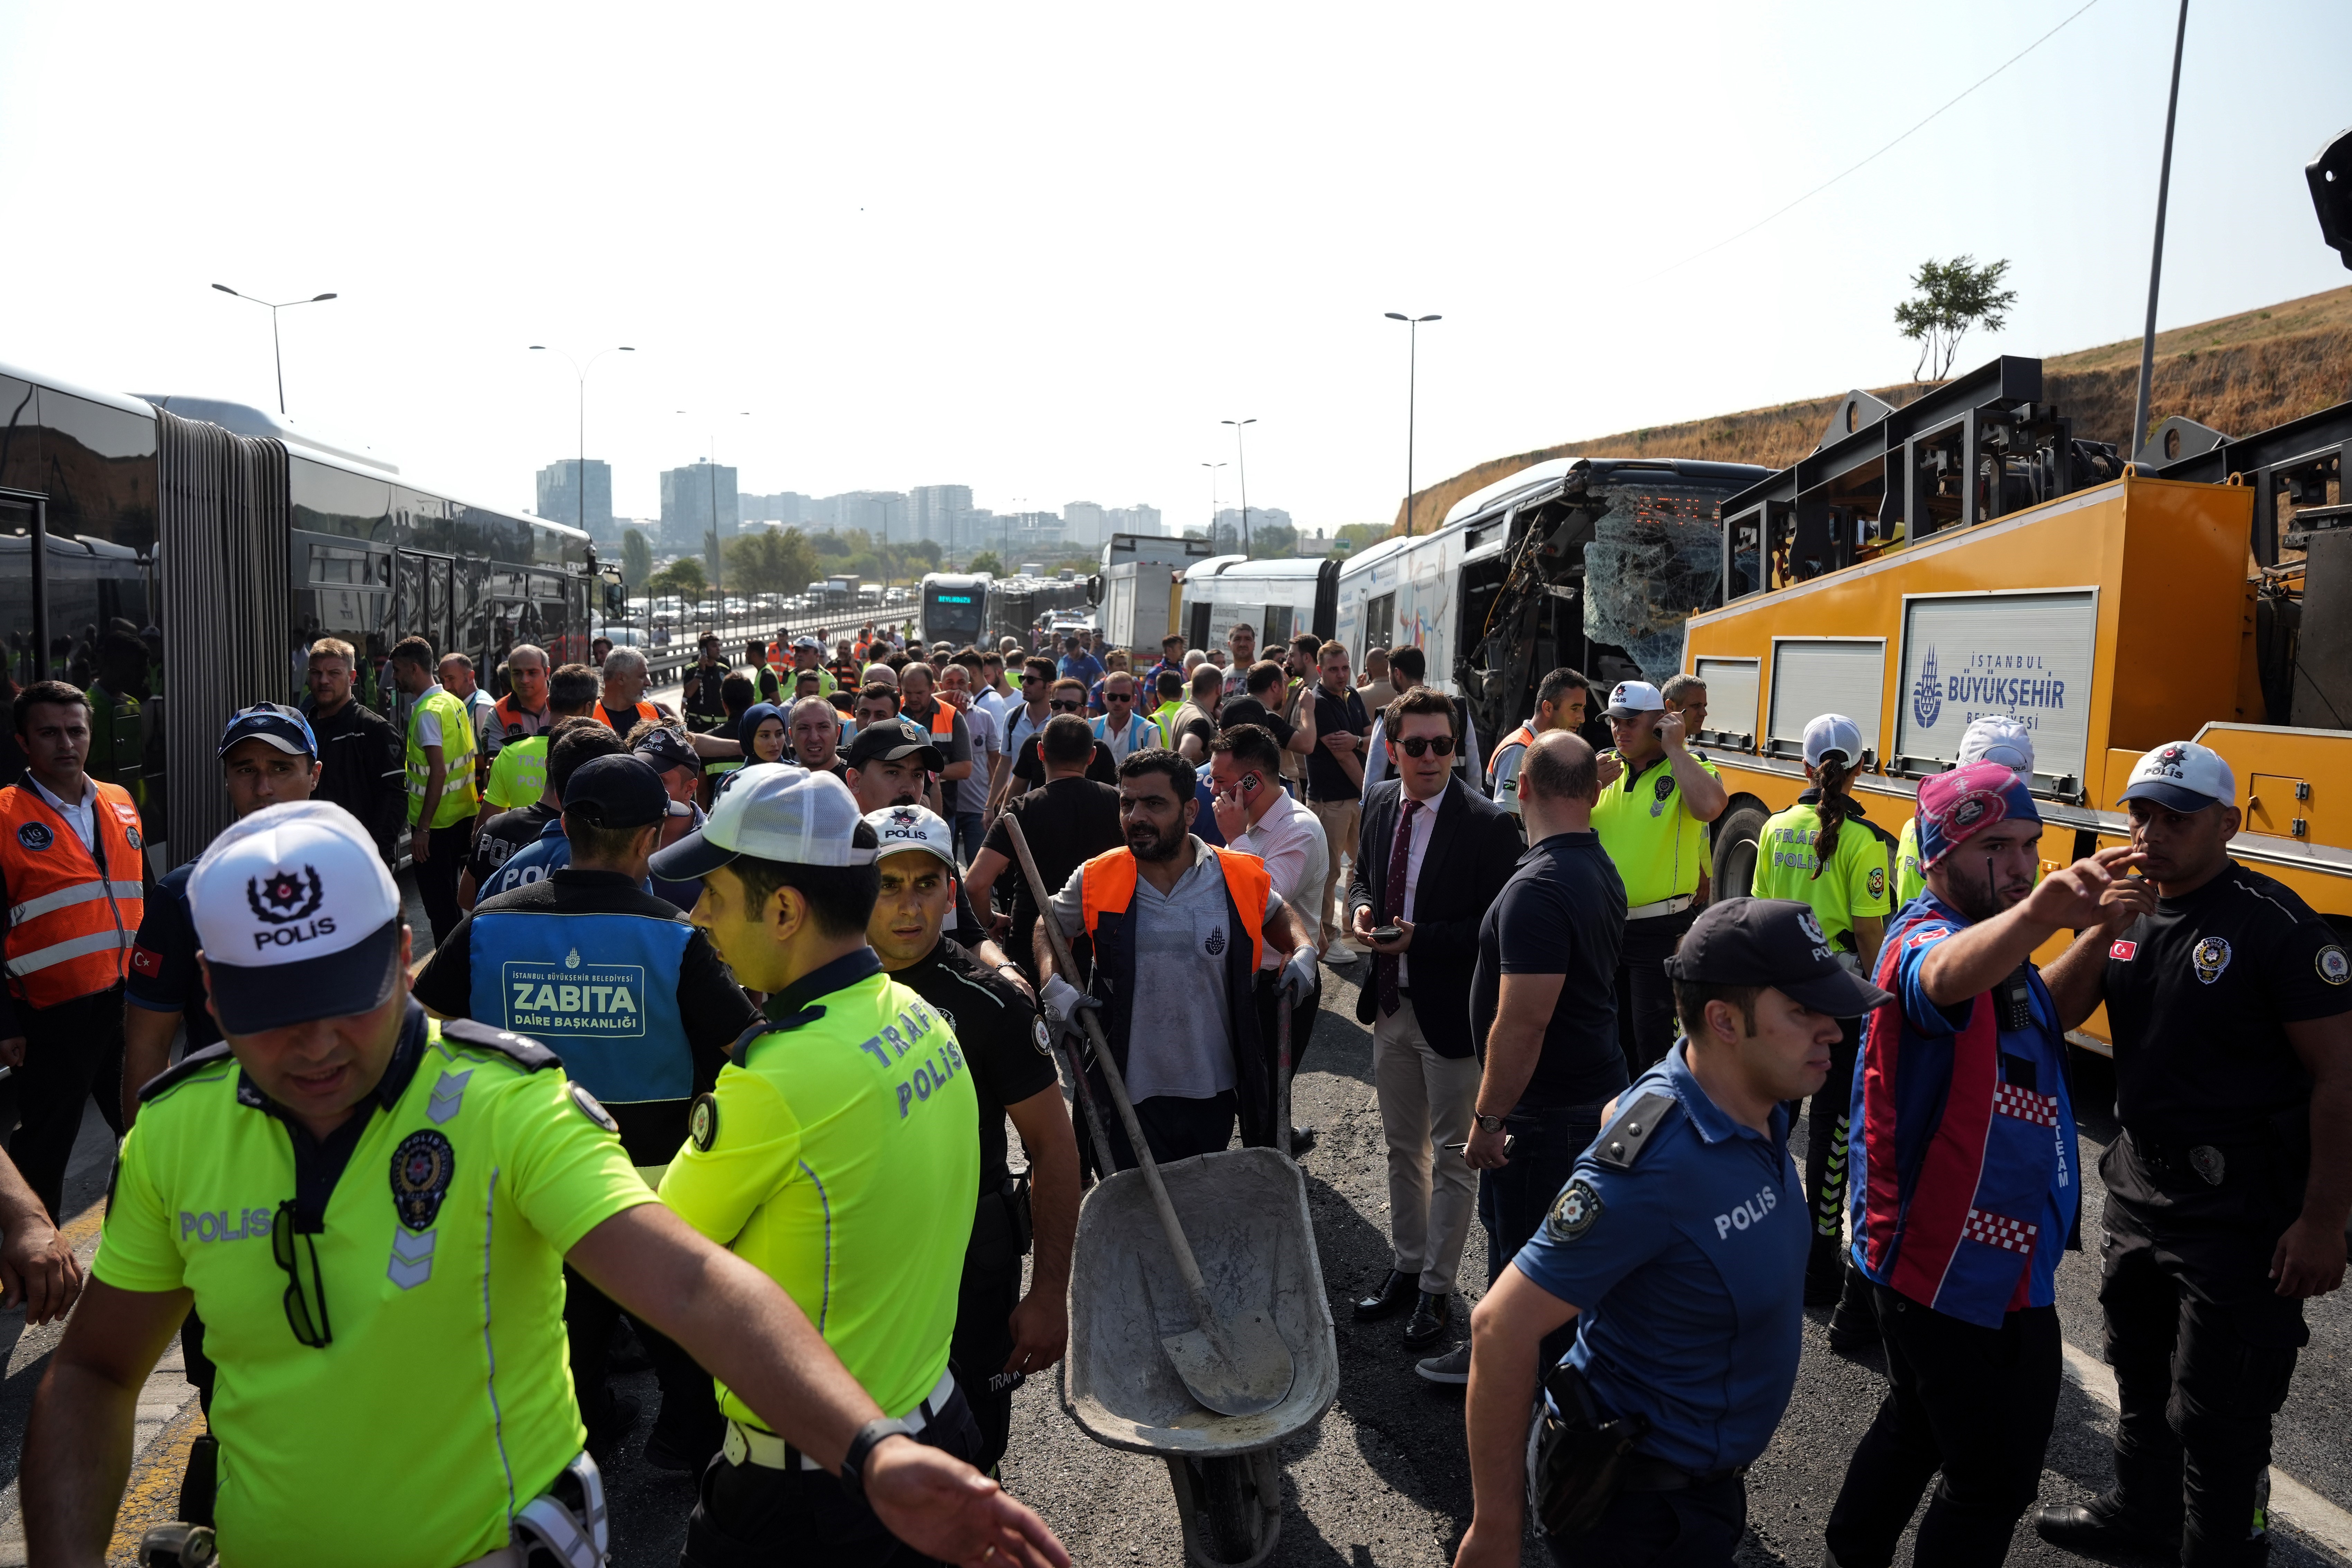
[198, 547]
[952, 608]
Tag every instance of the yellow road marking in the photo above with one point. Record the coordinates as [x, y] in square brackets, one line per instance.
[153, 1498]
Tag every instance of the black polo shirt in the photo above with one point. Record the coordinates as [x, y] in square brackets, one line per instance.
[504, 833]
[2198, 995]
[1327, 781]
[1562, 912]
[1068, 823]
[1003, 1039]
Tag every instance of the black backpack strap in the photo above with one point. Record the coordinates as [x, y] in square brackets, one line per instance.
[522, 1050]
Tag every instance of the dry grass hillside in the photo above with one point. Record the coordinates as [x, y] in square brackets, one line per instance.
[2241, 374]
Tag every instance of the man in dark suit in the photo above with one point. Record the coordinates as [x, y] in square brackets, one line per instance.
[1433, 854]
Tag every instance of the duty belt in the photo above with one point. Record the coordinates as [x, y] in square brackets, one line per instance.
[566, 1524]
[749, 1445]
[2208, 1162]
[1647, 1473]
[1663, 907]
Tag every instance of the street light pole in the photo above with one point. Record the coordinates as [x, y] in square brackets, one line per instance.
[580, 373]
[1242, 457]
[2156, 261]
[279, 358]
[1411, 376]
[718, 554]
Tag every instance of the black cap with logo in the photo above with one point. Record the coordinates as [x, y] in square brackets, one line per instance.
[1775, 943]
[889, 740]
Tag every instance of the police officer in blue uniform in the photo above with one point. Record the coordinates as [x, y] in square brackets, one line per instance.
[1678, 1245]
[641, 1009]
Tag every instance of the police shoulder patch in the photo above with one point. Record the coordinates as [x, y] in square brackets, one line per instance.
[589, 1106]
[1878, 881]
[1042, 1037]
[702, 1122]
[2333, 965]
[1573, 1212]
[522, 1050]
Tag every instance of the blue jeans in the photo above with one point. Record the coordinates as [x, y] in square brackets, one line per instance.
[1513, 1200]
[967, 834]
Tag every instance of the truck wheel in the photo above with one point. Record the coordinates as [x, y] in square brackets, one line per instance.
[1736, 836]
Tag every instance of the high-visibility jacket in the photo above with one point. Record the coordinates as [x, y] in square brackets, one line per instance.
[72, 918]
[515, 721]
[1524, 735]
[460, 798]
[1107, 893]
[605, 717]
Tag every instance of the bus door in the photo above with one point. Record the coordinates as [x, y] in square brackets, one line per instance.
[24, 618]
[424, 607]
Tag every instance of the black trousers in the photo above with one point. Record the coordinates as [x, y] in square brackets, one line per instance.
[1696, 1527]
[1645, 997]
[1826, 1136]
[1513, 1199]
[2203, 1349]
[1976, 1403]
[991, 1289]
[1174, 1127]
[437, 879]
[1302, 1021]
[73, 1051]
[690, 1408]
[751, 1517]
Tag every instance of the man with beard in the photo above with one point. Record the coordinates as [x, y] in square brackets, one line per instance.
[1161, 925]
[1001, 1336]
[1963, 1181]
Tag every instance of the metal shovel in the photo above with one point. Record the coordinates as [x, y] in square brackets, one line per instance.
[1235, 1365]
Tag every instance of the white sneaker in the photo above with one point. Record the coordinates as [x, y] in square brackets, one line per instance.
[1454, 1366]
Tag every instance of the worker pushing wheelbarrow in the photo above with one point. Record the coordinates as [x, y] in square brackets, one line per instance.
[1199, 1327]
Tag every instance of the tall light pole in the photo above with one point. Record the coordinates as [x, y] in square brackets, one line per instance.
[1242, 457]
[1411, 373]
[279, 360]
[718, 555]
[1212, 468]
[580, 373]
[2156, 263]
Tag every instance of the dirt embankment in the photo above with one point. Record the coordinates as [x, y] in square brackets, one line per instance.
[2240, 375]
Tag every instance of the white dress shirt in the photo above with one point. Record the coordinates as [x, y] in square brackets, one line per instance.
[1289, 838]
[83, 816]
[1423, 821]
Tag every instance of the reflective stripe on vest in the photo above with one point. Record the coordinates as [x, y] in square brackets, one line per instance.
[459, 796]
[598, 990]
[1106, 887]
[71, 924]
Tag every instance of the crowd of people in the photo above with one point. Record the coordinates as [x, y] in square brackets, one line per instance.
[722, 998]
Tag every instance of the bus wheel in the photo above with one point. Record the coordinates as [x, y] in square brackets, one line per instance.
[1736, 834]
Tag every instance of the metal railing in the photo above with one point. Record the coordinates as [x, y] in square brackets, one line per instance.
[688, 622]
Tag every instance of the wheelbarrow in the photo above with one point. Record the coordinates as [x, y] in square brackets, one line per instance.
[1185, 1278]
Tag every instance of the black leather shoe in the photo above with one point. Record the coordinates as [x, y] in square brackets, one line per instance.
[1825, 1267]
[1302, 1141]
[1431, 1316]
[1853, 1326]
[1393, 1292]
[2100, 1526]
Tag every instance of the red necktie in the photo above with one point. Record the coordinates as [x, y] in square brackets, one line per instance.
[1400, 864]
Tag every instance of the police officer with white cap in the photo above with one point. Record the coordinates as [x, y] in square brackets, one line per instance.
[1678, 1247]
[391, 1365]
[2230, 1005]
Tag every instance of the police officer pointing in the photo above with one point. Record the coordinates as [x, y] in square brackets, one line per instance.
[2231, 1008]
[372, 1211]
[1679, 1247]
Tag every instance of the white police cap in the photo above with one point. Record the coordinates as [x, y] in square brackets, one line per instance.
[297, 918]
[771, 811]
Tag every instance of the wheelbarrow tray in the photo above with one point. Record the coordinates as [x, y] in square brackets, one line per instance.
[1245, 1212]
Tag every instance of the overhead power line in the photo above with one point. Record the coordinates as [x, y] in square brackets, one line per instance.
[1833, 179]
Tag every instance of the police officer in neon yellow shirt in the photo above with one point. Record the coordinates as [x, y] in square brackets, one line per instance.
[835, 1155]
[1658, 795]
[373, 1213]
[1993, 738]
[1823, 852]
[441, 798]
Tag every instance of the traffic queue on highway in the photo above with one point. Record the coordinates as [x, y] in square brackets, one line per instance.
[720, 1008]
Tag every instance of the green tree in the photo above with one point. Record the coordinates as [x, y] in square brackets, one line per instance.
[830, 544]
[636, 558]
[683, 577]
[987, 560]
[772, 560]
[1273, 541]
[1953, 296]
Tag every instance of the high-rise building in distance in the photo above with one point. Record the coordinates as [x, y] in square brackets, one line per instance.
[787, 507]
[936, 513]
[693, 499]
[1136, 519]
[560, 501]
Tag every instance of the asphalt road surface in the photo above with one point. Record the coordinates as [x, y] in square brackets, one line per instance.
[1383, 1478]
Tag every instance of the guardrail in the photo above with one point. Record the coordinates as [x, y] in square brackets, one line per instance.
[666, 663]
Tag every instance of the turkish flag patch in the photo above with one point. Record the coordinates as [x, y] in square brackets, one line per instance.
[2121, 952]
[147, 962]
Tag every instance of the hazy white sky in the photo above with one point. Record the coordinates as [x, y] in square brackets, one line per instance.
[1044, 250]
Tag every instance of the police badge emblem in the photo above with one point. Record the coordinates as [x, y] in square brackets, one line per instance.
[1042, 1038]
[589, 1106]
[1665, 784]
[1574, 1212]
[2333, 966]
[2208, 958]
[702, 1122]
[1878, 881]
[420, 1170]
[2206, 1161]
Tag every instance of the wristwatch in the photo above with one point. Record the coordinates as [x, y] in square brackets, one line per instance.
[853, 1463]
[1488, 1124]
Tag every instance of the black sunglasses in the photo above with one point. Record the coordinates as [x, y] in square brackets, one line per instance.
[1118, 696]
[296, 1252]
[1066, 707]
[1422, 745]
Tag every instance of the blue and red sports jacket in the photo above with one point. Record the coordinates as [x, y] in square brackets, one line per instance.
[1964, 1182]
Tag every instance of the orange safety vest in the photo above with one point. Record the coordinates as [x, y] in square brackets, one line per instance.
[71, 920]
[1522, 736]
[1106, 887]
[645, 711]
[516, 722]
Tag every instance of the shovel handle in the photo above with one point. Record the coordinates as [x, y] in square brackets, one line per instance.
[1186, 1264]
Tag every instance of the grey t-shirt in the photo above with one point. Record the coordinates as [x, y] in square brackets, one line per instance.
[1181, 940]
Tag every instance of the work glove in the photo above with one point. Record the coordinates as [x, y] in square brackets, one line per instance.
[1300, 975]
[1063, 1001]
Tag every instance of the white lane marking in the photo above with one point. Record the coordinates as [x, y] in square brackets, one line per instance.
[2290, 1499]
